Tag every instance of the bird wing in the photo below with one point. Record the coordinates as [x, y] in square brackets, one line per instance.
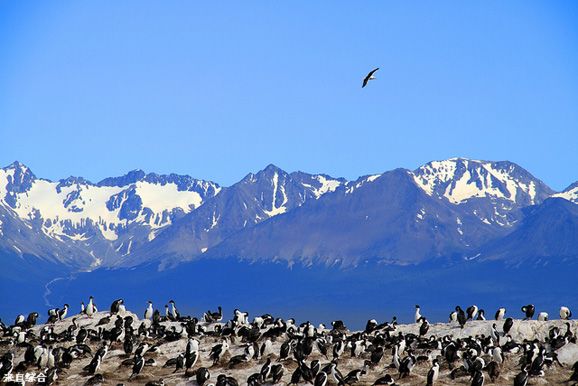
[366, 79]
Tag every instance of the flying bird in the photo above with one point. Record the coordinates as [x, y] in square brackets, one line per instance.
[369, 77]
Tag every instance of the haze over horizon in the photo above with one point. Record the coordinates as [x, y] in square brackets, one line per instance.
[216, 91]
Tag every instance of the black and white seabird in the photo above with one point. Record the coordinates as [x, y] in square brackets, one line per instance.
[478, 378]
[137, 367]
[90, 307]
[174, 314]
[417, 316]
[522, 377]
[565, 313]
[190, 360]
[369, 77]
[321, 379]
[528, 311]
[202, 375]
[433, 373]
[481, 315]
[472, 311]
[407, 365]
[218, 350]
[115, 306]
[148, 314]
[500, 313]
[508, 325]
[461, 316]
[63, 312]
[423, 329]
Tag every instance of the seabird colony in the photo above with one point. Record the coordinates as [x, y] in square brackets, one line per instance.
[117, 347]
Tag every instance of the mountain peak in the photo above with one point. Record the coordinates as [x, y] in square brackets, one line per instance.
[267, 173]
[570, 193]
[460, 179]
[127, 179]
[271, 168]
[17, 165]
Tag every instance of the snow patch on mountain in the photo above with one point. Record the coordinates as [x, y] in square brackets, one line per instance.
[67, 207]
[327, 185]
[159, 198]
[352, 186]
[459, 180]
[275, 210]
[570, 193]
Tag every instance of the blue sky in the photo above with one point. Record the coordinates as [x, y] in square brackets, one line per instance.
[215, 91]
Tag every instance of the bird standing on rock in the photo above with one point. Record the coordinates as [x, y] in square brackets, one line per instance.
[148, 314]
[528, 311]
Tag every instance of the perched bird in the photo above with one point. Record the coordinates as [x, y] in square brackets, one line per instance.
[423, 329]
[478, 378]
[417, 316]
[202, 375]
[385, 380]
[522, 377]
[137, 367]
[481, 315]
[63, 312]
[90, 308]
[277, 373]
[115, 306]
[433, 373]
[321, 379]
[218, 350]
[493, 369]
[528, 311]
[407, 365]
[565, 313]
[148, 314]
[461, 316]
[190, 360]
[212, 317]
[369, 77]
[472, 311]
[173, 314]
[500, 313]
[508, 325]
[352, 377]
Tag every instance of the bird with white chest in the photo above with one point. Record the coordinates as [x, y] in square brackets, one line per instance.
[148, 314]
[90, 308]
[369, 76]
[417, 316]
[565, 313]
[500, 313]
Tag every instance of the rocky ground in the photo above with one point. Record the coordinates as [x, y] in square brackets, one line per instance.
[114, 373]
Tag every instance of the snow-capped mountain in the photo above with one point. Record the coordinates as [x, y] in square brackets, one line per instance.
[459, 180]
[256, 198]
[386, 218]
[104, 219]
[492, 191]
[570, 193]
[451, 209]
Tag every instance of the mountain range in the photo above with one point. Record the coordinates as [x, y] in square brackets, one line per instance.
[447, 220]
[451, 209]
